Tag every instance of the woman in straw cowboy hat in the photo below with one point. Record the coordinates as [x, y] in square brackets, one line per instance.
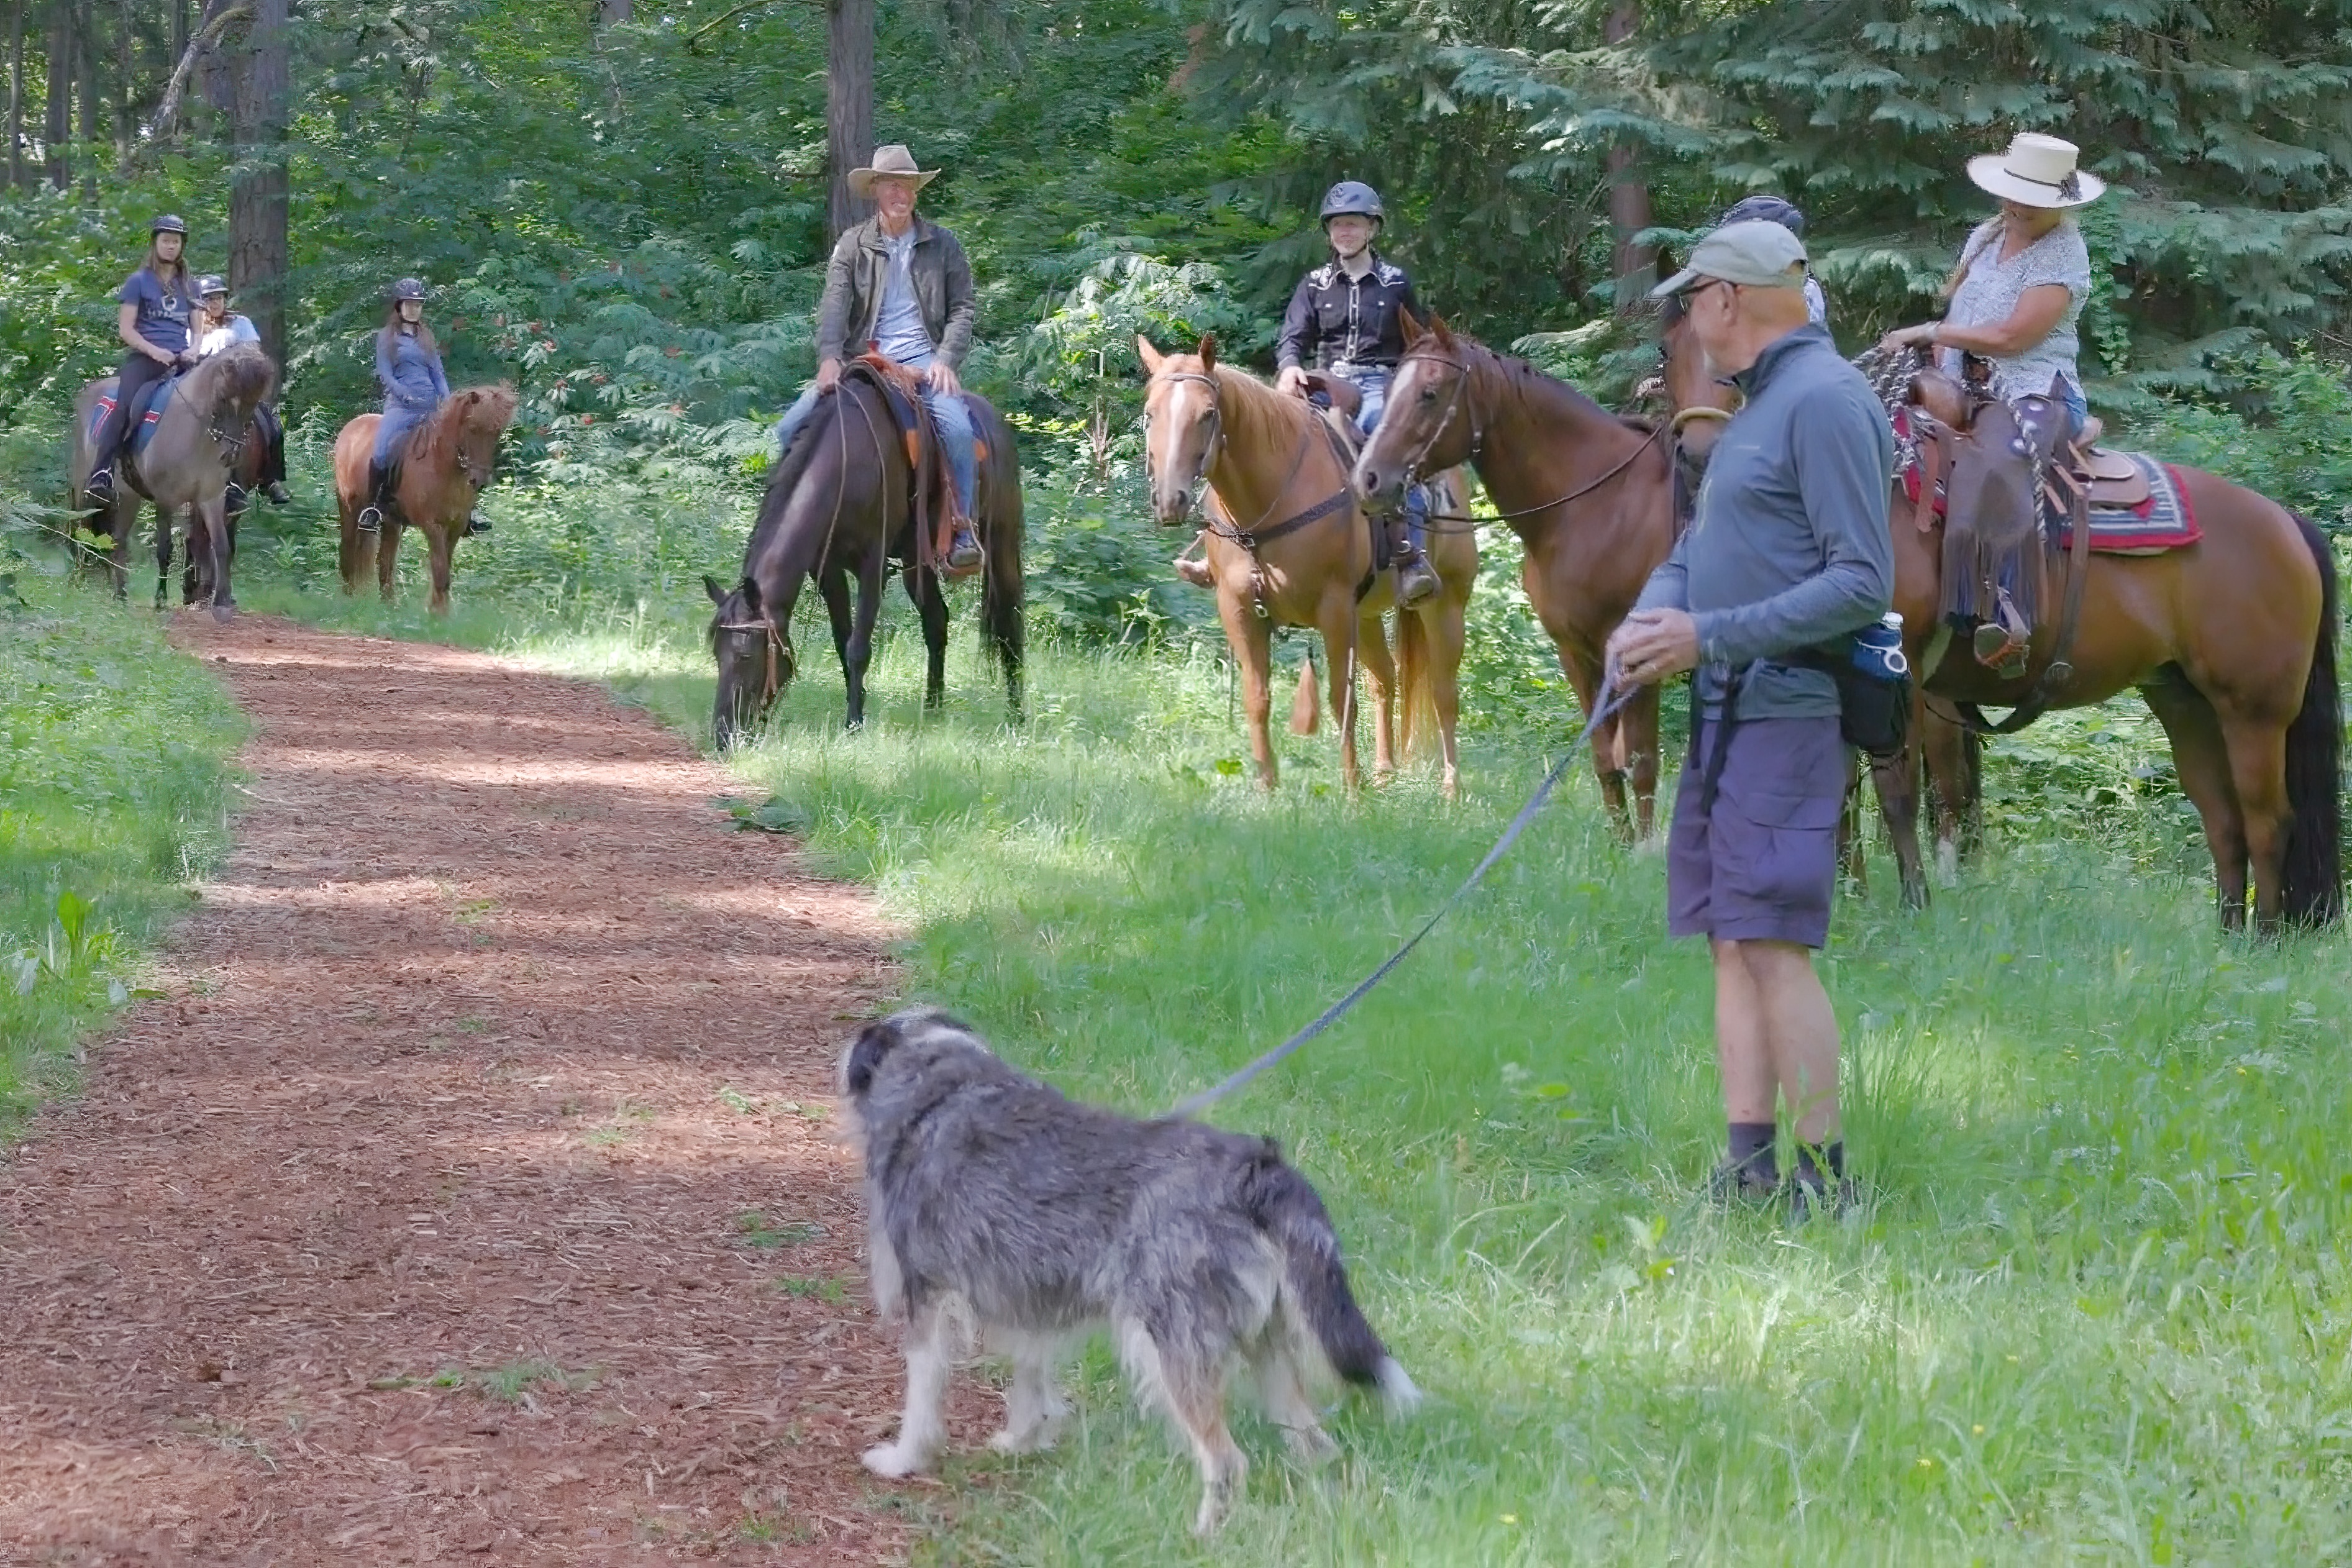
[2013, 301]
[900, 285]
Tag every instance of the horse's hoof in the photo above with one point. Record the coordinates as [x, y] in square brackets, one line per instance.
[224, 614]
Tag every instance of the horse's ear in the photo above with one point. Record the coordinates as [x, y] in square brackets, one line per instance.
[751, 597]
[1414, 331]
[1152, 358]
[711, 586]
[1438, 330]
[1208, 351]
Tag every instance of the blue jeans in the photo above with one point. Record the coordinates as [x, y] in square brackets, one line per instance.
[1371, 384]
[954, 416]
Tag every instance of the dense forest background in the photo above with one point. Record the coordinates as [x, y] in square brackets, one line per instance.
[625, 207]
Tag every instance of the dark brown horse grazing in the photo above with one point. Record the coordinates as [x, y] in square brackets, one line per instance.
[1589, 495]
[839, 503]
[2231, 641]
[449, 461]
[185, 468]
[1302, 555]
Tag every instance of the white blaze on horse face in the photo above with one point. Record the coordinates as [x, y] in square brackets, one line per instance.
[1176, 445]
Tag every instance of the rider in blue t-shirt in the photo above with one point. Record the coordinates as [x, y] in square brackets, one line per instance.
[153, 325]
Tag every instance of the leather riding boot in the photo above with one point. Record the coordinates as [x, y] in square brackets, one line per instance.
[371, 518]
[1194, 569]
[1999, 644]
[474, 525]
[1415, 581]
[963, 548]
[276, 492]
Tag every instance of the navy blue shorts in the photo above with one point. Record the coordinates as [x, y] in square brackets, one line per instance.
[1761, 866]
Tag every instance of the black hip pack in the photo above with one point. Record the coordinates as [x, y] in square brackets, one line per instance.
[1874, 692]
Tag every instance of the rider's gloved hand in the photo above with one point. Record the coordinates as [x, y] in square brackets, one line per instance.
[1291, 380]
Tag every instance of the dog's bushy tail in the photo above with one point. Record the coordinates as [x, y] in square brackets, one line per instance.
[1288, 1210]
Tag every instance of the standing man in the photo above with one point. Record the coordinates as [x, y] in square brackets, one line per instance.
[900, 285]
[1788, 550]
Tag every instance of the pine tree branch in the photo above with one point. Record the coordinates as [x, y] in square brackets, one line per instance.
[720, 21]
[168, 111]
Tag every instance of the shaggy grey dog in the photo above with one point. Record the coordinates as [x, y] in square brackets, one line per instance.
[996, 1204]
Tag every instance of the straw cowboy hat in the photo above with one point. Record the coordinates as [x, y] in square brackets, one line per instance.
[2037, 171]
[892, 162]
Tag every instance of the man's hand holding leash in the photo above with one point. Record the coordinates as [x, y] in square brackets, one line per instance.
[1652, 645]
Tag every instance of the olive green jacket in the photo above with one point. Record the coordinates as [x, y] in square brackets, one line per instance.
[853, 291]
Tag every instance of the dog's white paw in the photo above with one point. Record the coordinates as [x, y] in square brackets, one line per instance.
[1310, 1445]
[895, 1462]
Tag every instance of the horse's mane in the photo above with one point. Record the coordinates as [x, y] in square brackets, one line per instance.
[239, 376]
[785, 478]
[1262, 412]
[489, 408]
[1523, 380]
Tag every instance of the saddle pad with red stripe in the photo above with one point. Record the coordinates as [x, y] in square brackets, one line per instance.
[2166, 520]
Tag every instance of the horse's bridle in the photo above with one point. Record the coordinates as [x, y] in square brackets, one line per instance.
[227, 447]
[1413, 469]
[775, 649]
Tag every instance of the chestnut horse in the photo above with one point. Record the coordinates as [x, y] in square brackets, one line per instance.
[449, 461]
[1589, 495]
[2231, 641]
[1304, 556]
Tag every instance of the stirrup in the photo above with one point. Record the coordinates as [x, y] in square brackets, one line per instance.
[474, 525]
[1416, 579]
[277, 493]
[1998, 649]
[370, 520]
[101, 484]
[963, 549]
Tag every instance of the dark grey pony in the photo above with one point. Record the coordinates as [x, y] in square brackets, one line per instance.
[201, 428]
[839, 504]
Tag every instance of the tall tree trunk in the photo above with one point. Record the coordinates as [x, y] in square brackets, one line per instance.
[56, 126]
[125, 86]
[179, 28]
[257, 191]
[86, 50]
[848, 107]
[16, 93]
[1629, 189]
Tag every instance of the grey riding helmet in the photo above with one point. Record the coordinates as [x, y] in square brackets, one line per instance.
[1766, 209]
[408, 289]
[210, 284]
[169, 224]
[1352, 198]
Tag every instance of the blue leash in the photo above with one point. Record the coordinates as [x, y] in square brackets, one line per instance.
[1612, 699]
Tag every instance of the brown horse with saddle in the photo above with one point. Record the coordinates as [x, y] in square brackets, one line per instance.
[447, 462]
[1289, 544]
[2216, 604]
[1589, 495]
[865, 482]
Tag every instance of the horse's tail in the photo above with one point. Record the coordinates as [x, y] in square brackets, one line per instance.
[1307, 703]
[1002, 631]
[1417, 708]
[2312, 873]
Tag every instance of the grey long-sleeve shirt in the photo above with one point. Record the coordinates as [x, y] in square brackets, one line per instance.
[1788, 547]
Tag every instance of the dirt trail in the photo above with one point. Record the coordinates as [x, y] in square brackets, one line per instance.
[416, 1224]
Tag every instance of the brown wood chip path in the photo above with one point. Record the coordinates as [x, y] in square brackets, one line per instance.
[474, 1194]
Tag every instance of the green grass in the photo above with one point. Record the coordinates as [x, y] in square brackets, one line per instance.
[112, 800]
[2098, 1305]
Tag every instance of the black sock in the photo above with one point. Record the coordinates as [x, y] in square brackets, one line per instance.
[1834, 1154]
[1751, 1148]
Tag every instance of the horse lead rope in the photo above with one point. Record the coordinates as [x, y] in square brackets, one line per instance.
[1612, 697]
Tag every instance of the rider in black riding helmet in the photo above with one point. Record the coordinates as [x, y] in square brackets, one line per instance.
[1763, 208]
[156, 300]
[1346, 318]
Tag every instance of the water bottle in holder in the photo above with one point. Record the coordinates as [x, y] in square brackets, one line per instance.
[1874, 690]
[1878, 650]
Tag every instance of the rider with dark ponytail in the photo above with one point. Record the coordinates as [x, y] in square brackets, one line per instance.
[153, 325]
[408, 368]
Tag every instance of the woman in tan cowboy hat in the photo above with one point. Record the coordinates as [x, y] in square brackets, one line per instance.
[2023, 277]
[2013, 300]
